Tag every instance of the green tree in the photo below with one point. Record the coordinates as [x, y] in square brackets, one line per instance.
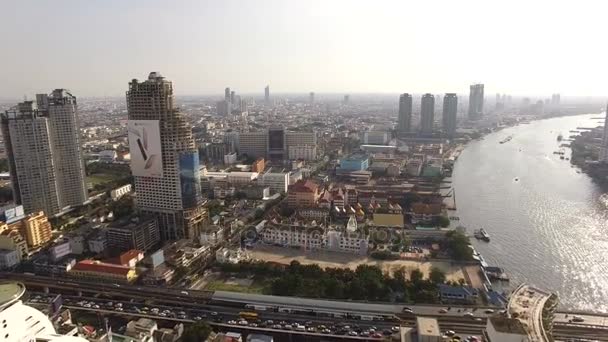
[458, 244]
[416, 276]
[437, 276]
[197, 332]
[444, 221]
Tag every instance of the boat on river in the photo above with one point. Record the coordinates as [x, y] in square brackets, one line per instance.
[481, 234]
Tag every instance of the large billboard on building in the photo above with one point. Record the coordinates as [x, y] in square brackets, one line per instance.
[145, 148]
[11, 213]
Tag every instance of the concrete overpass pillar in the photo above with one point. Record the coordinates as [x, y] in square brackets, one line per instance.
[45, 289]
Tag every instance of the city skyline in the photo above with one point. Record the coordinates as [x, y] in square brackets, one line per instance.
[310, 47]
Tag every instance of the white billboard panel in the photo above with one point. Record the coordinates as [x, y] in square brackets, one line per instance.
[145, 148]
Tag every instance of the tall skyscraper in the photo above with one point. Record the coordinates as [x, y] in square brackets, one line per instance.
[227, 94]
[404, 123]
[164, 159]
[311, 97]
[476, 102]
[450, 109]
[346, 99]
[267, 95]
[233, 98]
[45, 154]
[427, 113]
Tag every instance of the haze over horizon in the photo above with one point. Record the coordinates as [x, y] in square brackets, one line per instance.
[95, 48]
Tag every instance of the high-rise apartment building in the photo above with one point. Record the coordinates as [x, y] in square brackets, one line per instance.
[450, 109]
[42, 141]
[427, 113]
[267, 95]
[164, 159]
[36, 229]
[276, 143]
[311, 97]
[476, 102]
[404, 123]
[253, 144]
[227, 94]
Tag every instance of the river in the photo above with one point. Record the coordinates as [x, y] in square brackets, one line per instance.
[548, 223]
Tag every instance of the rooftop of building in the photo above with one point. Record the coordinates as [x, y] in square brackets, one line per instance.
[427, 326]
[304, 186]
[9, 293]
[102, 267]
[507, 325]
[130, 222]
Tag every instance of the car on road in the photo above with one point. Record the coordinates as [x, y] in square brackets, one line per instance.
[311, 329]
[450, 333]
[198, 318]
[325, 331]
[95, 306]
[352, 333]
[119, 309]
[443, 311]
[231, 322]
[243, 322]
[214, 313]
[577, 319]
[395, 329]
[468, 314]
[87, 305]
[489, 311]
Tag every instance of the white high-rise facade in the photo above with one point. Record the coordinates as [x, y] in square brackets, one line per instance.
[44, 150]
[174, 197]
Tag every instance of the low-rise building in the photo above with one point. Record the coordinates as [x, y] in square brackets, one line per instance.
[9, 258]
[13, 240]
[231, 256]
[142, 328]
[183, 253]
[120, 191]
[43, 265]
[505, 329]
[276, 181]
[98, 243]
[212, 235]
[100, 271]
[255, 191]
[60, 250]
[422, 213]
[241, 178]
[428, 329]
[107, 156]
[134, 232]
[354, 163]
[221, 192]
[258, 165]
[36, 229]
[458, 294]
[230, 158]
[303, 194]
[159, 276]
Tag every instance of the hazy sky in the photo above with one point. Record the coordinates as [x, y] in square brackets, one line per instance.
[94, 47]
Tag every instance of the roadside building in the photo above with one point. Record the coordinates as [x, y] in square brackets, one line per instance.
[302, 152]
[36, 229]
[428, 329]
[458, 294]
[303, 194]
[134, 232]
[255, 191]
[276, 181]
[500, 328]
[100, 271]
[107, 156]
[422, 213]
[60, 250]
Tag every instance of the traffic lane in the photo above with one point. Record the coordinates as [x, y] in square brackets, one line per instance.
[587, 319]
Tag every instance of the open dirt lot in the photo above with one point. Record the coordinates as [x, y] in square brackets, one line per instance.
[336, 259]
